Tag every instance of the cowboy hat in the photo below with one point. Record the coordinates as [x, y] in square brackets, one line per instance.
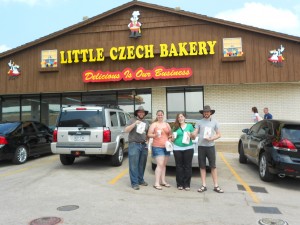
[140, 108]
[207, 109]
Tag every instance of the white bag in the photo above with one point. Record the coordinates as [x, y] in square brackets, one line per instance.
[186, 138]
[207, 132]
[140, 128]
[169, 146]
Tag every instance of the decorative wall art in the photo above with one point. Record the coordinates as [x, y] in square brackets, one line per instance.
[49, 58]
[232, 47]
[14, 70]
[276, 57]
[135, 25]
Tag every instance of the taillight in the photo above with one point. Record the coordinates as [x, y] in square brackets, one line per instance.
[54, 137]
[106, 135]
[285, 145]
[3, 141]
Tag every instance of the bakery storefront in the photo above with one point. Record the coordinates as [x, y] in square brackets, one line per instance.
[158, 57]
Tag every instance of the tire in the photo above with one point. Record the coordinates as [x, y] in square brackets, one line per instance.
[242, 157]
[67, 159]
[117, 158]
[21, 155]
[264, 172]
[153, 166]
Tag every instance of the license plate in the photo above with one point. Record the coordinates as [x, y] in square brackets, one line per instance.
[79, 138]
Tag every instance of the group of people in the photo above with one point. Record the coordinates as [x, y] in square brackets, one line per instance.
[256, 116]
[140, 131]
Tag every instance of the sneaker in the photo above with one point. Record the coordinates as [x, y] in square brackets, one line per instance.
[136, 187]
[144, 183]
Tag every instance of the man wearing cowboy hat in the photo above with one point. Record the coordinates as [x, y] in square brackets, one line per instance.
[137, 152]
[209, 131]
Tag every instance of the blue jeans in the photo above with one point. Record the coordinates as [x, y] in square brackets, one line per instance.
[137, 154]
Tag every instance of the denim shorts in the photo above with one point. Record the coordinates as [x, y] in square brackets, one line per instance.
[157, 151]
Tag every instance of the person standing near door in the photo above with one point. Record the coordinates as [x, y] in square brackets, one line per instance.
[267, 116]
[137, 152]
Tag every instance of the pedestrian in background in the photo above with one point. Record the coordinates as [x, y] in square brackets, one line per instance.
[209, 131]
[161, 132]
[256, 117]
[137, 128]
[183, 152]
[267, 115]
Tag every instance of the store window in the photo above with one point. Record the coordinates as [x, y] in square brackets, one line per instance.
[232, 47]
[10, 109]
[50, 108]
[188, 100]
[30, 107]
[71, 99]
[49, 58]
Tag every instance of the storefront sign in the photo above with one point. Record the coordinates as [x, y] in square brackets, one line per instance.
[199, 48]
[139, 74]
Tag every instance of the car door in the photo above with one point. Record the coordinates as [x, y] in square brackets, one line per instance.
[30, 137]
[44, 137]
[250, 141]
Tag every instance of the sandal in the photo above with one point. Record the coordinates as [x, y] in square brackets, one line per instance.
[202, 189]
[218, 189]
[157, 187]
[166, 185]
[180, 188]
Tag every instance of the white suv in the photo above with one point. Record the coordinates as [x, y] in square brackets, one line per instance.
[90, 131]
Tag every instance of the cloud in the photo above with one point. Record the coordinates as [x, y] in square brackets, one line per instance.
[4, 48]
[264, 16]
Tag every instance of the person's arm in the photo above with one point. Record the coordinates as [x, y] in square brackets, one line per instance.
[150, 133]
[131, 126]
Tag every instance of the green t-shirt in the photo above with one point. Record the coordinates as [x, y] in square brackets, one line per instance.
[178, 141]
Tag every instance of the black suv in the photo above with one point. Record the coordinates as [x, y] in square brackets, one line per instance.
[90, 131]
[274, 146]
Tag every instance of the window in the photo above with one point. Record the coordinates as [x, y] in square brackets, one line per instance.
[114, 119]
[187, 100]
[232, 47]
[50, 108]
[31, 107]
[10, 109]
[49, 58]
[122, 119]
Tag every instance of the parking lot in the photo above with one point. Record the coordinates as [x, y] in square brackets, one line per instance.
[92, 192]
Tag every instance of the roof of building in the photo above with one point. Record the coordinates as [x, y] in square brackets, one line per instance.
[176, 10]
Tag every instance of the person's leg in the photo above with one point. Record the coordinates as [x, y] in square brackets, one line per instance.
[178, 155]
[133, 156]
[159, 169]
[187, 167]
[142, 163]
[163, 172]
[202, 166]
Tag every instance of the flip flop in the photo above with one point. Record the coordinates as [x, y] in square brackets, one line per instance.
[157, 187]
[166, 185]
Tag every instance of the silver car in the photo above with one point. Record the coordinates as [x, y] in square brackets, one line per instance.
[171, 161]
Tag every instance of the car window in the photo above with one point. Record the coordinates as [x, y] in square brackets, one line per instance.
[114, 119]
[6, 128]
[122, 119]
[28, 128]
[254, 129]
[263, 129]
[291, 132]
[81, 119]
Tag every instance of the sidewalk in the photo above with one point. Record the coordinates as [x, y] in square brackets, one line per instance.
[231, 147]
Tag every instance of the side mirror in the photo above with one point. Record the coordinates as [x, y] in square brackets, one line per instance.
[246, 131]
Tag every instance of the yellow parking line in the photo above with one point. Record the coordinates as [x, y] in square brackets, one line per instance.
[14, 172]
[245, 185]
[123, 173]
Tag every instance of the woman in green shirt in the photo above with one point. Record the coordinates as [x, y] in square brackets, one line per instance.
[183, 151]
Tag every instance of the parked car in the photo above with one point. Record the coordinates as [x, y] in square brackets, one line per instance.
[171, 161]
[90, 131]
[22, 139]
[274, 146]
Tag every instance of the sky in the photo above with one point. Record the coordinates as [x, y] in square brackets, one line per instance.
[24, 21]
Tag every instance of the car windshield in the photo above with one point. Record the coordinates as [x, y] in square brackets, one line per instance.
[291, 132]
[81, 119]
[6, 128]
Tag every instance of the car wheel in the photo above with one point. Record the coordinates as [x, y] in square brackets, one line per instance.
[21, 155]
[67, 159]
[117, 158]
[242, 157]
[264, 172]
[153, 166]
